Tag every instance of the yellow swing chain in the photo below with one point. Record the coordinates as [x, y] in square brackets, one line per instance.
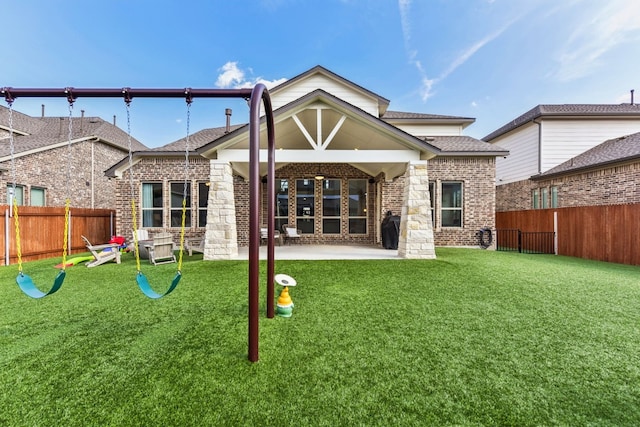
[134, 219]
[184, 188]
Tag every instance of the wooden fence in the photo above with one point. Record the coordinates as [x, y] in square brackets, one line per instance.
[42, 231]
[606, 233]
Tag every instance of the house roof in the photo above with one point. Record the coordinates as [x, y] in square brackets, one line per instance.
[569, 111]
[198, 139]
[461, 145]
[33, 134]
[383, 102]
[423, 117]
[327, 97]
[615, 150]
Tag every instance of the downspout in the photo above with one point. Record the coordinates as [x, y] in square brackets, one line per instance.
[539, 144]
[93, 161]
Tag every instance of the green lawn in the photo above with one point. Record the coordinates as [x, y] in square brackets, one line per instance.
[472, 338]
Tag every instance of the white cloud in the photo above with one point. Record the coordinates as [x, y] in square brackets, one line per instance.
[597, 32]
[233, 77]
[427, 84]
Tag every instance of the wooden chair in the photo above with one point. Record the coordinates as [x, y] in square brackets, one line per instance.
[290, 233]
[100, 255]
[264, 236]
[161, 249]
[142, 236]
[194, 244]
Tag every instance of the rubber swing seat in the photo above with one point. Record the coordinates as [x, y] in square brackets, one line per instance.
[145, 287]
[30, 289]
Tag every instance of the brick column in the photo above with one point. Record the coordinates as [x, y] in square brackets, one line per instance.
[221, 239]
[416, 230]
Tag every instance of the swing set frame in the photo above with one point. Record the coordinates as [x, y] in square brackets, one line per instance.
[255, 96]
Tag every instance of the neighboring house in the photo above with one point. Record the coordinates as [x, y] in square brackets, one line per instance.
[47, 170]
[551, 135]
[607, 174]
[342, 161]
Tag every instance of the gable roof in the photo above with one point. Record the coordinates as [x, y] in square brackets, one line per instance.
[320, 94]
[615, 150]
[38, 134]
[383, 103]
[568, 111]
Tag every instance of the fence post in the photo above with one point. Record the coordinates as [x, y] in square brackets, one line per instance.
[519, 241]
[555, 232]
[7, 255]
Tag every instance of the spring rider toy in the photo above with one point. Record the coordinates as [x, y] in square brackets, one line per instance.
[284, 306]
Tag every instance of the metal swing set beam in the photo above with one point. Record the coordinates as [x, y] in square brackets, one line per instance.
[256, 95]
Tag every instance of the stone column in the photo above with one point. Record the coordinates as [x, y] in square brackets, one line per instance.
[221, 238]
[416, 229]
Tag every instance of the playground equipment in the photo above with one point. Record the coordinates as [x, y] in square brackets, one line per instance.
[24, 281]
[255, 96]
[141, 279]
[284, 307]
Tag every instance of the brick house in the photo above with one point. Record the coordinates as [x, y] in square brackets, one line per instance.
[545, 141]
[47, 171]
[607, 174]
[342, 161]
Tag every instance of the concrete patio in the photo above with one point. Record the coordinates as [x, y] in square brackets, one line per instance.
[318, 252]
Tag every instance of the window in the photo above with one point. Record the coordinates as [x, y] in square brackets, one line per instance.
[178, 193]
[357, 206]
[19, 194]
[331, 201]
[432, 202]
[305, 201]
[203, 199]
[544, 197]
[152, 204]
[282, 203]
[535, 199]
[554, 197]
[451, 204]
[37, 196]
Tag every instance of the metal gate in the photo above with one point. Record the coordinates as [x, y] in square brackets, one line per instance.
[527, 242]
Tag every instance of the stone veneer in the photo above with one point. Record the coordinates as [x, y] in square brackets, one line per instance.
[416, 231]
[221, 238]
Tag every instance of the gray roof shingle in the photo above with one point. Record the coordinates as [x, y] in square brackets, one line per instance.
[614, 150]
[465, 145]
[31, 133]
[549, 110]
[402, 115]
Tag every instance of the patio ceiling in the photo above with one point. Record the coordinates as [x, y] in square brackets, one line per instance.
[324, 129]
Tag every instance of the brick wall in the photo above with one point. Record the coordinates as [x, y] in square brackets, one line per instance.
[85, 185]
[165, 170]
[477, 175]
[478, 185]
[607, 186]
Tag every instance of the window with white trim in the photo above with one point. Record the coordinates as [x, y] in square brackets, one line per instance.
[19, 194]
[178, 193]
[451, 204]
[357, 206]
[37, 196]
[305, 205]
[203, 200]
[331, 202]
[152, 204]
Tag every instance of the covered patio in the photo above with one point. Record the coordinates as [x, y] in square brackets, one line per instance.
[322, 252]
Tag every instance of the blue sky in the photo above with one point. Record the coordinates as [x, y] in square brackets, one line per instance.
[488, 59]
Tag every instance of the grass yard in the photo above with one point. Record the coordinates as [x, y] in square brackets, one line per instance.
[472, 338]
